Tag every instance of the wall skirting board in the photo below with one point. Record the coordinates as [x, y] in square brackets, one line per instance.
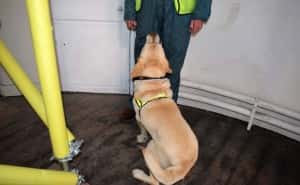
[93, 88]
[249, 109]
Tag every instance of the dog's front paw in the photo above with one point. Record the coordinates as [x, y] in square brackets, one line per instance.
[142, 138]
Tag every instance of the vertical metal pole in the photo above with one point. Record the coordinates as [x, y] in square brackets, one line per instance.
[43, 44]
[65, 166]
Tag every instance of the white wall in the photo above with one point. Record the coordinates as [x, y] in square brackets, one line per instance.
[92, 44]
[252, 48]
[15, 32]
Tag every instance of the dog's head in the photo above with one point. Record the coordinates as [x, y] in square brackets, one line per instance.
[152, 61]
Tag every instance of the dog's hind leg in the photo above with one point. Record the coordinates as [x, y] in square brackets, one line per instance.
[140, 175]
[143, 136]
[155, 181]
[167, 176]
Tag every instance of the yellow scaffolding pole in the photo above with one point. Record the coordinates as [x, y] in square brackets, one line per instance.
[43, 44]
[24, 84]
[47, 104]
[11, 175]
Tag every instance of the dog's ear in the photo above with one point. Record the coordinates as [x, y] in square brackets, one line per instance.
[169, 70]
[166, 66]
[138, 69]
[150, 38]
[153, 38]
[156, 39]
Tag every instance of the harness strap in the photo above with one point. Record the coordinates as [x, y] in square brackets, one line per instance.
[140, 103]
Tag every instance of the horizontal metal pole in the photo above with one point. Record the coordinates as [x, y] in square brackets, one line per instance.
[244, 98]
[13, 175]
[243, 111]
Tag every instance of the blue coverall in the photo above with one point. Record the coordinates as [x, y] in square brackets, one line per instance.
[160, 16]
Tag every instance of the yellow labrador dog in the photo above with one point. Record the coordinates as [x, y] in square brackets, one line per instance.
[173, 148]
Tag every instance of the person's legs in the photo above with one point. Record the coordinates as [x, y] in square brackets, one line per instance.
[175, 39]
[149, 19]
[147, 22]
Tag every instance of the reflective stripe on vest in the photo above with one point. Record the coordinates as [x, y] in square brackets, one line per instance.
[138, 5]
[182, 6]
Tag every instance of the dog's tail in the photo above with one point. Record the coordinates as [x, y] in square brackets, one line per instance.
[153, 38]
[166, 176]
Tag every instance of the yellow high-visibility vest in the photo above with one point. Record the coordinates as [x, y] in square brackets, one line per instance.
[182, 6]
[138, 5]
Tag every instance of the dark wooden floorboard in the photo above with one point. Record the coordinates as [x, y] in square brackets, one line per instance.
[229, 155]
